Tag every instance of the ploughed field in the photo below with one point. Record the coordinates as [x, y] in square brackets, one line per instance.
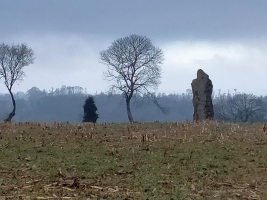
[206, 160]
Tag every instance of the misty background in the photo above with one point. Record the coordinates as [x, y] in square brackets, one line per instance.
[65, 104]
[227, 39]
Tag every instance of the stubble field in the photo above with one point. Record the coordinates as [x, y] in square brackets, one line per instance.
[206, 160]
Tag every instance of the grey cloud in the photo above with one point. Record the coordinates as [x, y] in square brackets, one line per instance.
[68, 34]
[158, 19]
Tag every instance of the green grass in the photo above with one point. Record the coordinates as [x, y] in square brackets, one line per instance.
[206, 160]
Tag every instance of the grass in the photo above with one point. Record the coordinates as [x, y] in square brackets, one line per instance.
[206, 160]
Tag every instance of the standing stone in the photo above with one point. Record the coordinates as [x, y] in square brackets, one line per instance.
[202, 101]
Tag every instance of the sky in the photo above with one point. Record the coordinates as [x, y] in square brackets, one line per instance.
[227, 39]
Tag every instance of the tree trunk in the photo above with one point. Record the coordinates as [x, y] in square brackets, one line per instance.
[12, 114]
[130, 117]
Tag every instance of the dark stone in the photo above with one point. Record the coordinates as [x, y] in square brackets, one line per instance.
[202, 101]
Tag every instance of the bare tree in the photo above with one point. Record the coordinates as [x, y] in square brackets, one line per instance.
[134, 66]
[12, 60]
[240, 107]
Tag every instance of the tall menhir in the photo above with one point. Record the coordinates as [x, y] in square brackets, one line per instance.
[202, 100]
[90, 109]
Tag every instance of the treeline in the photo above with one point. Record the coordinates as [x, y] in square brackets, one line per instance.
[65, 104]
[240, 107]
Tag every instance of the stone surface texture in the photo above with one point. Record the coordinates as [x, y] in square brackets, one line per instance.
[202, 101]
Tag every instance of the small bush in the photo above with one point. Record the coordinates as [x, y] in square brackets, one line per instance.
[90, 109]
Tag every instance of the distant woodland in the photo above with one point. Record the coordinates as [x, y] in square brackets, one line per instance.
[65, 104]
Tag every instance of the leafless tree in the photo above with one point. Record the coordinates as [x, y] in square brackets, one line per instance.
[240, 107]
[134, 66]
[13, 58]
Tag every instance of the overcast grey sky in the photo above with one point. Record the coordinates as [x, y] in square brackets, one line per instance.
[225, 38]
